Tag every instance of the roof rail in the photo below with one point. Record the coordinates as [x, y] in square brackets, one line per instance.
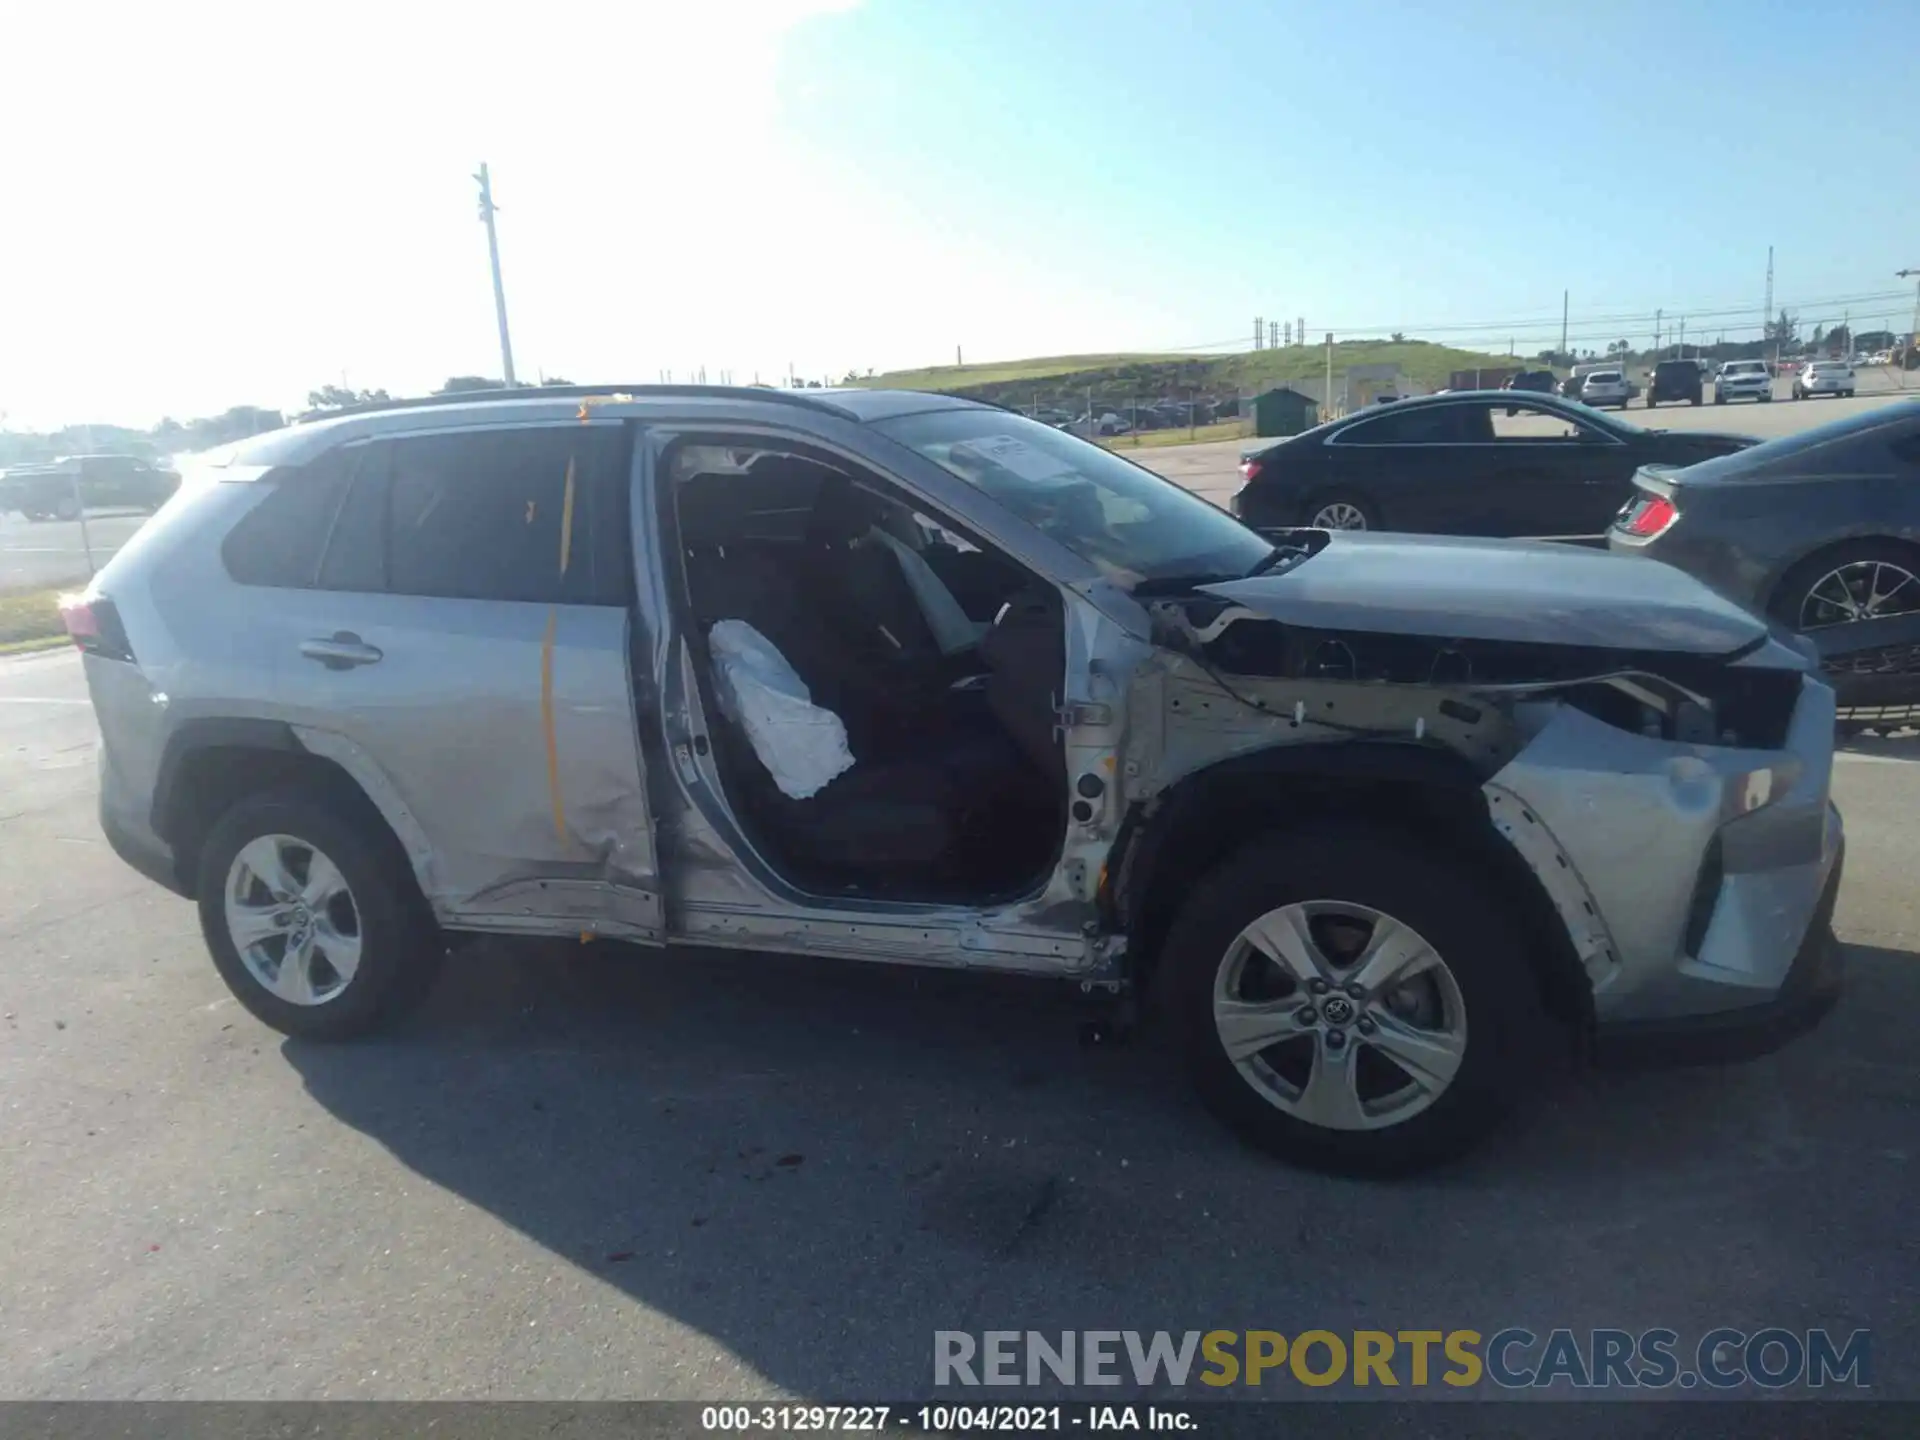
[579, 392]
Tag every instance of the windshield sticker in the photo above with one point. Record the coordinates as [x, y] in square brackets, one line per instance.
[1011, 453]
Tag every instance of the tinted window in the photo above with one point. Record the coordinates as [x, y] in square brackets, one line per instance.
[278, 542]
[356, 556]
[485, 515]
[1427, 425]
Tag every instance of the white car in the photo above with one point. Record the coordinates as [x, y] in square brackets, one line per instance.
[1742, 379]
[1824, 377]
[1606, 387]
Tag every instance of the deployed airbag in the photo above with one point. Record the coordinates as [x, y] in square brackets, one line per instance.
[802, 745]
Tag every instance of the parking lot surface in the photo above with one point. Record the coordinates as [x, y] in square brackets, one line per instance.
[593, 1172]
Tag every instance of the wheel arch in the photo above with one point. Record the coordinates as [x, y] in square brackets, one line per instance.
[1168, 843]
[211, 764]
[1832, 545]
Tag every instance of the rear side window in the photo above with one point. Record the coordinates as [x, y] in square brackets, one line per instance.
[485, 515]
[1433, 425]
[279, 541]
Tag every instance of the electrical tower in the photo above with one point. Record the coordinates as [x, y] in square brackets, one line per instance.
[1273, 334]
[1259, 333]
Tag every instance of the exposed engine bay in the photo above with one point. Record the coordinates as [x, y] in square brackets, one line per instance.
[1692, 699]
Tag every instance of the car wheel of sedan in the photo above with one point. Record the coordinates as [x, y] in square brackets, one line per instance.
[312, 918]
[1341, 512]
[1350, 1000]
[1864, 580]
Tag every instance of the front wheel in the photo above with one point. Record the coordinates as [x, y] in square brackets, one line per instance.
[67, 507]
[1349, 1000]
[312, 916]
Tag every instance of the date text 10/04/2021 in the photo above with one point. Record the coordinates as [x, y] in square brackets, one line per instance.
[938, 1419]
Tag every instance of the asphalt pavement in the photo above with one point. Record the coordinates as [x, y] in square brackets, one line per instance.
[589, 1172]
[40, 554]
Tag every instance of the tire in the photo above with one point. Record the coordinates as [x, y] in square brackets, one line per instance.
[399, 948]
[1788, 603]
[1456, 911]
[1719, 399]
[1361, 509]
[1846, 395]
[1694, 401]
[66, 508]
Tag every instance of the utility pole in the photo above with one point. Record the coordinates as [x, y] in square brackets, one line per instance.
[487, 209]
[1683, 337]
[1766, 315]
[1658, 315]
[1329, 396]
[957, 361]
[1563, 324]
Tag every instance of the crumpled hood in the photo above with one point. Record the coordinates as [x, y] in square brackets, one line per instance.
[1532, 592]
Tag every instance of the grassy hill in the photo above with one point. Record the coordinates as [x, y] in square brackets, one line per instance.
[1063, 380]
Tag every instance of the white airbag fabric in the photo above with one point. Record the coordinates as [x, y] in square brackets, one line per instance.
[803, 746]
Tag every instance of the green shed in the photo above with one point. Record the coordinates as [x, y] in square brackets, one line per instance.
[1284, 412]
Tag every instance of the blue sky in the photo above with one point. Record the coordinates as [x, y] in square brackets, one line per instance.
[252, 203]
[1392, 165]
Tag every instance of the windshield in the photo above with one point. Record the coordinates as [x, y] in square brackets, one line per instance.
[1127, 521]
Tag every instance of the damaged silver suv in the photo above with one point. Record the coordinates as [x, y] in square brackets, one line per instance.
[1375, 821]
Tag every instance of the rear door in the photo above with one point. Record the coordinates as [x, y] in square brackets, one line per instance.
[463, 651]
[1411, 467]
[1558, 477]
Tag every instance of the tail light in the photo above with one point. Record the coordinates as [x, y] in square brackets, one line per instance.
[1249, 470]
[94, 625]
[1651, 517]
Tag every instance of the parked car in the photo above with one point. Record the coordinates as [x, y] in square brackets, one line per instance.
[59, 490]
[1820, 530]
[1540, 381]
[1743, 379]
[1606, 387]
[910, 679]
[1824, 377]
[1675, 380]
[1476, 463]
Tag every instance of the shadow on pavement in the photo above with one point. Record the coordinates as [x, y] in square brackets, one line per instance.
[818, 1165]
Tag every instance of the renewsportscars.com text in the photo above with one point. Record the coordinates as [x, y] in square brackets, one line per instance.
[1513, 1358]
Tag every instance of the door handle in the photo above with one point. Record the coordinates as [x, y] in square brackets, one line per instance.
[341, 651]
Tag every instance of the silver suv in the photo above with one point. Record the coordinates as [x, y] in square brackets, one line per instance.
[1374, 819]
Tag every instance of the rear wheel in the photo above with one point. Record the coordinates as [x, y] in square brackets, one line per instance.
[1342, 510]
[1349, 1000]
[1861, 580]
[312, 916]
[67, 507]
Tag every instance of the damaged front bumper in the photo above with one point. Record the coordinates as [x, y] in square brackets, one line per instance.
[1696, 882]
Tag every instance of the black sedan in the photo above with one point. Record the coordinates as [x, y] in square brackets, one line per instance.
[1820, 530]
[1474, 462]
